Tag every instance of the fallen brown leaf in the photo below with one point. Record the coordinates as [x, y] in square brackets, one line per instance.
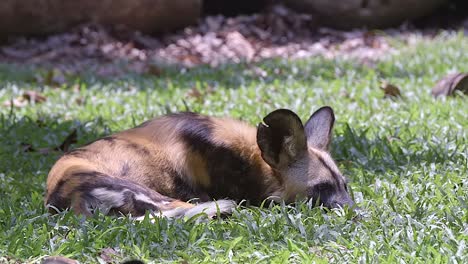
[70, 139]
[199, 94]
[259, 72]
[278, 31]
[26, 98]
[154, 70]
[26, 147]
[194, 92]
[108, 255]
[390, 90]
[451, 83]
[47, 151]
[54, 77]
[59, 260]
[76, 88]
[33, 96]
[64, 147]
[80, 101]
[17, 102]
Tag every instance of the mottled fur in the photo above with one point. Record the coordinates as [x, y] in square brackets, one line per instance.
[165, 162]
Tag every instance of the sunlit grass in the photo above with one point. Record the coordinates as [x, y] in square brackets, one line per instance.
[407, 161]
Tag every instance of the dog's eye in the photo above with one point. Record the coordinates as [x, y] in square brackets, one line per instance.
[324, 187]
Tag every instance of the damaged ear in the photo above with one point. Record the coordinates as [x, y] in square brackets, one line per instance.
[318, 128]
[281, 138]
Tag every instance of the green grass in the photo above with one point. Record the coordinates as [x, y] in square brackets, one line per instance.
[407, 161]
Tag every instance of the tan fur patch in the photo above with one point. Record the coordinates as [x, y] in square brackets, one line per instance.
[196, 169]
[180, 204]
[64, 167]
[164, 136]
[234, 133]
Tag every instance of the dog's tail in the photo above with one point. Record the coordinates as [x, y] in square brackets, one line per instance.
[211, 209]
[87, 191]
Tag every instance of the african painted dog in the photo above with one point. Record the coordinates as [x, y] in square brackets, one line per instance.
[166, 162]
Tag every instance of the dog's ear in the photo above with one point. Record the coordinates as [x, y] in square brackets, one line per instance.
[281, 138]
[318, 128]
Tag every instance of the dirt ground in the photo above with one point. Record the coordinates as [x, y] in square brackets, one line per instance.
[276, 32]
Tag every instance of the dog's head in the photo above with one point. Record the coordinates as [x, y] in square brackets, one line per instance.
[299, 154]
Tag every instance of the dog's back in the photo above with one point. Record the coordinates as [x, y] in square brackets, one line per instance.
[159, 164]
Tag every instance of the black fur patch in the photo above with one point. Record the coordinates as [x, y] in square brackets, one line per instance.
[110, 139]
[195, 129]
[231, 174]
[233, 177]
[100, 180]
[322, 193]
[78, 153]
[93, 180]
[141, 150]
[139, 207]
[185, 192]
[336, 177]
[83, 152]
[57, 199]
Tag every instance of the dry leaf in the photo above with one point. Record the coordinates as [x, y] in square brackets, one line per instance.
[26, 98]
[76, 88]
[216, 40]
[259, 72]
[154, 70]
[26, 147]
[241, 47]
[390, 90]
[46, 151]
[17, 102]
[199, 94]
[70, 139]
[108, 255]
[59, 260]
[33, 96]
[80, 101]
[53, 78]
[194, 92]
[64, 147]
[451, 83]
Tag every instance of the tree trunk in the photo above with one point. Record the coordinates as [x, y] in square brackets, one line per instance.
[49, 16]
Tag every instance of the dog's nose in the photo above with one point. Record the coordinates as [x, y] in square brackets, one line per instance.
[344, 202]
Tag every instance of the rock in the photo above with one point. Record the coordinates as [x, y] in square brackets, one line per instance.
[240, 46]
[346, 14]
[48, 16]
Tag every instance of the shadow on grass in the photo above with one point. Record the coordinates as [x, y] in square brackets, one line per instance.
[229, 75]
[29, 144]
[377, 155]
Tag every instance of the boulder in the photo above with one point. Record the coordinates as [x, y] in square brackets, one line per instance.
[233, 8]
[346, 14]
[50, 16]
